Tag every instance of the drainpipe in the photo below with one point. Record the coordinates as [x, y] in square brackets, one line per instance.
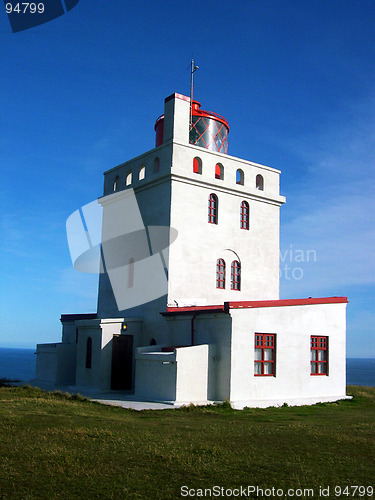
[192, 329]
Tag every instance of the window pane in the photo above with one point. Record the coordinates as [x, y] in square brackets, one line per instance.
[313, 367]
[322, 368]
[268, 354]
[322, 355]
[258, 354]
[257, 368]
[313, 355]
[268, 368]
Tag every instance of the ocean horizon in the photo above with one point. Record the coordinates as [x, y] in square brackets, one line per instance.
[19, 364]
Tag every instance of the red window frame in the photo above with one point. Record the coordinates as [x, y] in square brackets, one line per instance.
[235, 275]
[220, 273]
[197, 165]
[212, 209]
[245, 215]
[219, 171]
[319, 355]
[264, 354]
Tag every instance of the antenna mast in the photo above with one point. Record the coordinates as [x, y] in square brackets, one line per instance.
[193, 69]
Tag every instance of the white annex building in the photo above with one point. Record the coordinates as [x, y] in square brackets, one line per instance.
[198, 317]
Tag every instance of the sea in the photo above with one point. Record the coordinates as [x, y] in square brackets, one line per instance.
[19, 364]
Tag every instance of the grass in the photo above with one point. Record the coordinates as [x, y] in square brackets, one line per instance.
[53, 445]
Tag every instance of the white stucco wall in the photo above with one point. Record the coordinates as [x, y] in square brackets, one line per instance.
[193, 256]
[293, 326]
[101, 333]
[180, 376]
[66, 364]
[46, 362]
[192, 374]
[155, 374]
[214, 330]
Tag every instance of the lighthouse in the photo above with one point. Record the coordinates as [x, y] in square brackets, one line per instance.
[188, 304]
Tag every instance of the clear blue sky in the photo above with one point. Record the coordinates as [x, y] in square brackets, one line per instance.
[80, 94]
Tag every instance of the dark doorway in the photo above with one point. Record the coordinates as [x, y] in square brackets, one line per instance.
[122, 362]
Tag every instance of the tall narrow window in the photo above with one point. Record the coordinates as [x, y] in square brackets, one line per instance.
[264, 354]
[240, 177]
[244, 215]
[319, 355]
[197, 165]
[259, 182]
[219, 171]
[156, 165]
[131, 273]
[220, 273]
[142, 172]
[116, 183]
[128, 179]
[235, 275]
[212, 208]
[88, 352]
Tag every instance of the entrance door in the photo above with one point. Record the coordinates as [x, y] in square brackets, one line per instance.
[122, 362]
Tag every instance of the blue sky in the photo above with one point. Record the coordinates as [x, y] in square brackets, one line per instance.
[80, 94]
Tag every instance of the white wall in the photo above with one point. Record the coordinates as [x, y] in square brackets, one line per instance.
[214, 330]
[193, 256]
[46, 362]
[192, 374]
[180, 376]
[66, 364]
[156, 373]
[293, 326]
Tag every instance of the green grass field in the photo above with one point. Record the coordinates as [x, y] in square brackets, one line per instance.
[56, 446]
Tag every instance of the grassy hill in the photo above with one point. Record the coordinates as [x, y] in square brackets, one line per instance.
[56, 446]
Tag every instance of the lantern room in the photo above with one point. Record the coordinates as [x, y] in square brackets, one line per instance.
[206, 129]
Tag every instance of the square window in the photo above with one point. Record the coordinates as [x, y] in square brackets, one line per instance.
[319, 355]
[264, 354]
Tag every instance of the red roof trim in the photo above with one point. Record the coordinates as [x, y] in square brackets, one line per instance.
[286, 302]
[254, 304]
[196, 308]
[208, 114]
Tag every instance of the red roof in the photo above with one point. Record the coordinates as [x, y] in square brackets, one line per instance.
[254, 304]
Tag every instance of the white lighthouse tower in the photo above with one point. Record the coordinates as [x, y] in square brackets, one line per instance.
[188, 303]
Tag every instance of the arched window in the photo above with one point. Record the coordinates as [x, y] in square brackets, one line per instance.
[131, 273]
[219, 171]
[142, 173]
[245, 215]
[212, 208]
[235, 275]
[220, 273]
[116, 183]
[156, 165]
[128, 179]
[88, 352]
[259, 182]
[197, 165]
[240, 177]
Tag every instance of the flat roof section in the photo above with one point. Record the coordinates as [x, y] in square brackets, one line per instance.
[252, 304]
